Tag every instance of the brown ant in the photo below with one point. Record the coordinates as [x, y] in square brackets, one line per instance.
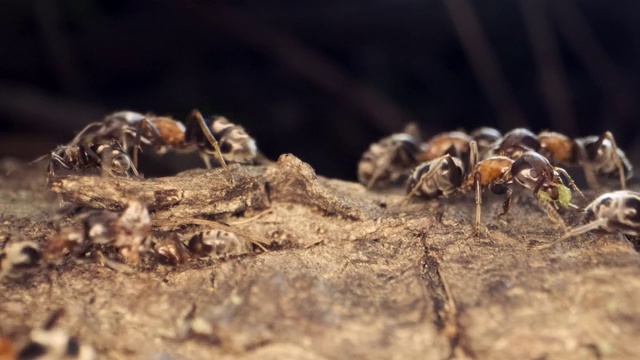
[454, 143]
[596, 155]
[110, 159]
[531, 170]
[441, 176]
[389, 160]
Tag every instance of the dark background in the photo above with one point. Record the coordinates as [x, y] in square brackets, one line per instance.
[321, 79]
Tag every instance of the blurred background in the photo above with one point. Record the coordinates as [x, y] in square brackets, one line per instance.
[321, 79]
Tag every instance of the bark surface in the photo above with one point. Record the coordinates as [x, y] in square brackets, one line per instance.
[349, 273]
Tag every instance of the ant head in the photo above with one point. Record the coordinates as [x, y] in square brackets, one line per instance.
[532, 168]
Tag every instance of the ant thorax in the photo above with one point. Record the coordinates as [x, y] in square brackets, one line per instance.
[171, 131]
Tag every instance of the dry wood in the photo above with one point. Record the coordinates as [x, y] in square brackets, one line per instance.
[348, 275]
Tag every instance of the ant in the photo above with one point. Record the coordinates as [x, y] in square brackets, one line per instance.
[614, 211]
[164, 134]
[111, 159]
[485, 137]
[441, 176]
[513, 144]
[531, 170]
[596, 155]
[50, 343]
[454, 143]
[129, 232]
[388, 160]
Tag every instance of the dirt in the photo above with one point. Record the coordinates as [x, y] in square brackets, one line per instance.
[349, 273]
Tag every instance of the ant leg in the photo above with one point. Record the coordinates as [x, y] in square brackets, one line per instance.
[155, 133]
[552, 213]
[206, 159]
[474, 155]
[378, 172]
[589, 173]
[572, 185]
[476, 181]
[133, 166]
[423, 179]
[78, 137]
[55, 158]
[503, 189]
[576, 231]
[197, 116]
[616, 158]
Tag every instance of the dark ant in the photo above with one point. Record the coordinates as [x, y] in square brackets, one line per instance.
[166, 134]
[217, 242]
[441, 176]
[513, 144]
[129, 232]
[531, 170]
[611, 212]
[18, 257]
[109, 159]
[485, 137]
[614, 211]
[389, 160]
[49, 343]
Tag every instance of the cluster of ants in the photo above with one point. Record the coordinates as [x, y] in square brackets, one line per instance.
[495, 161]
[110, 148]
[112, 144]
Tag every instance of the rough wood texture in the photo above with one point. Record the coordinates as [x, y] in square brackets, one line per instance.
[350, 274]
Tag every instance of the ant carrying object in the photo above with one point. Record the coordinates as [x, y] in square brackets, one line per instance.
[389, 160]
[614, 211]
[595, 154]
[110, 159]
[531, 170]
[441, 176]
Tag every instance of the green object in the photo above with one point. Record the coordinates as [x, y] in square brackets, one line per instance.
[564, 196]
